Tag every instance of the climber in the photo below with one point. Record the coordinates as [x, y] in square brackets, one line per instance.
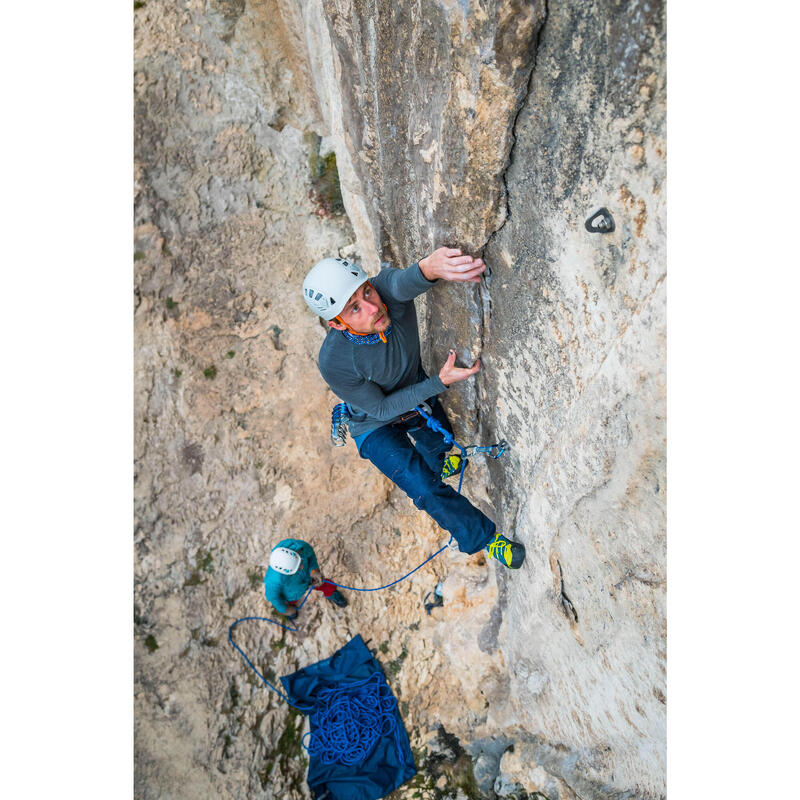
[371, 360]
[292, 569]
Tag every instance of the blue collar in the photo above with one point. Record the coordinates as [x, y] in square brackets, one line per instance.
[369, 338]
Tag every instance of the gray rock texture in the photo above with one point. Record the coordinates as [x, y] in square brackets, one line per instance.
[498, 127]
[429, 91]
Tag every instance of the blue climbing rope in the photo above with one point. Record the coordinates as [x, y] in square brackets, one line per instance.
[250, 663]
[393, 583]
[350, 718]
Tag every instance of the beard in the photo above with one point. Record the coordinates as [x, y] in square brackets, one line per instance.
[382, 322]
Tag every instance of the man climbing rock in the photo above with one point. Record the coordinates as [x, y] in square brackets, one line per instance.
[371, 360]
[292, 569]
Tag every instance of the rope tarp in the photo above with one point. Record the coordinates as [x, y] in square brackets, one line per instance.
[355, 713]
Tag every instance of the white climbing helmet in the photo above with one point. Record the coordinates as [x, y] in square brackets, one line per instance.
[284, 560]
[330, 284]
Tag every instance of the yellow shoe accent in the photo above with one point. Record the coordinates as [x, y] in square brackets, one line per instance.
[452, 465]
[499, 548]
[512, 554]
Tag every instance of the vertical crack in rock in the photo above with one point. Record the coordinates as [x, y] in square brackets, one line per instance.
[524, 99]
[484, 289]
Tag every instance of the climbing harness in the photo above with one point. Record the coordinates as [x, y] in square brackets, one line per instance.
[340, 418]
[350, 718]
[492, 450]
[600, 222]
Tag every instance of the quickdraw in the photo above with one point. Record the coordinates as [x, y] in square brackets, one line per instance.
[492, 450]
[340, 416]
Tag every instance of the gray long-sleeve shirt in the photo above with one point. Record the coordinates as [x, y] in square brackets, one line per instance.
[382, 381]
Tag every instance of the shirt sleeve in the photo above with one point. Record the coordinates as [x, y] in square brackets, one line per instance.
[402, 284]
[273, 593]
[369, 397]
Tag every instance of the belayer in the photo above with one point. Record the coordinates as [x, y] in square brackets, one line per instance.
[292, 569]
[371, 360]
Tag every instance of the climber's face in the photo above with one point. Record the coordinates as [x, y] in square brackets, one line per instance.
[364, 313]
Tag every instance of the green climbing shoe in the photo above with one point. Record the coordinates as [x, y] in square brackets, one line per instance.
[452, 466]
[509, 554]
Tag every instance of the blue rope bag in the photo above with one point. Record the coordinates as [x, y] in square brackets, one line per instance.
[348, 719]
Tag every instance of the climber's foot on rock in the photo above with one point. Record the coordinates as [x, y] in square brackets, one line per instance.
[509, 554]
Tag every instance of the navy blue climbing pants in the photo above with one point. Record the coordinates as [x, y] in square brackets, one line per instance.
[416, 468]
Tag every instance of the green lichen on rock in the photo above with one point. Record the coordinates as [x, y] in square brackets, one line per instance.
[150, 643]
[289, 744]
[326, 191]
[288, 753]
[394, 666]
[205, 561]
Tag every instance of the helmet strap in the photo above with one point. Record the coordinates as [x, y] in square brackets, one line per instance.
[381, 335]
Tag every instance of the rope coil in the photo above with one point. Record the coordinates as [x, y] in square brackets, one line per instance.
[350, 718]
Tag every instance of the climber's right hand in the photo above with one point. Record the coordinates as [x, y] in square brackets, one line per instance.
[450, 373]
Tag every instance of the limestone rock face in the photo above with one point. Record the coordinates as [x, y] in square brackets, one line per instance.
[429, 94]
[573, 347]
[495, 126]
